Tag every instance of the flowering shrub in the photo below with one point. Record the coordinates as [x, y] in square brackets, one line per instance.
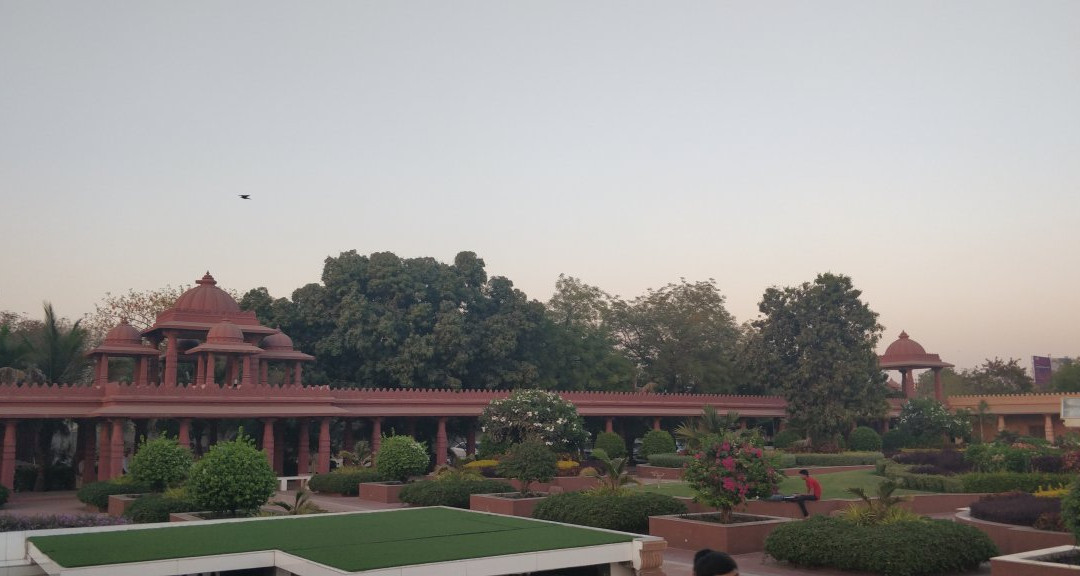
[536, 415]
[568, 468]
[728, 471]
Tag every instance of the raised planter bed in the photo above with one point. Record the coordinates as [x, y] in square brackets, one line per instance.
[574, 483]
[1012, 539]
[685, 532]
[926, 504]
[385, 492]
[119, 503]
[1036, 563]
[646, 473]
[505, 504]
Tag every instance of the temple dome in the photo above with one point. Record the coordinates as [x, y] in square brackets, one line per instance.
[225, 332]
[277, 341]
[124, 333]
[206, 297]
[904, 346]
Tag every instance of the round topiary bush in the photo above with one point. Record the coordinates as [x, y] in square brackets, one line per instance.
[528, 462]
[612, 444]
[785, 438]
[401, 457]
[657, 442]
[625, 511]
[864, 439]
[161, 463]
[233, 478]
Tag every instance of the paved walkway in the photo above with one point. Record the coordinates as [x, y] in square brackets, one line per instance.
[676, 562]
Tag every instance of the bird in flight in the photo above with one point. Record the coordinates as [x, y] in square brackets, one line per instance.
[245, 196]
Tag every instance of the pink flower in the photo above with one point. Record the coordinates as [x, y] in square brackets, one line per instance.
[729, 484]
[726, 446]
[728, 463]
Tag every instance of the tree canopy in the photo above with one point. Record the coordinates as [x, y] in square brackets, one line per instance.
[817, 341]
[1067, 377]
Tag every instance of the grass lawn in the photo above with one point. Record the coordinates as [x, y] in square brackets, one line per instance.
[833, 485]
[351, 542]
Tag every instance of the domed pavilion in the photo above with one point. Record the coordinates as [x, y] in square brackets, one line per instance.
[907, 355]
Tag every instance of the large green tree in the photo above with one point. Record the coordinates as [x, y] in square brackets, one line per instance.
[818, 342]
[998, 377]
[953, 383]
[681, 338]
[1067, 377]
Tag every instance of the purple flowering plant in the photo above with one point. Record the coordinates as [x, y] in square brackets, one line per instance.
[729, 470]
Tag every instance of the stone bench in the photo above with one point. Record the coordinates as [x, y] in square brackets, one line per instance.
[301, 481]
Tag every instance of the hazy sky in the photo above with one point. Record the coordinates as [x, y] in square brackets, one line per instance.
[929, 150]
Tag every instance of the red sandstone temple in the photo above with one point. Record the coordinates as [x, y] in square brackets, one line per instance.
[174, 376]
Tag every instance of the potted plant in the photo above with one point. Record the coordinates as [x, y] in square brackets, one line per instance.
[526, 463]
[723, 474]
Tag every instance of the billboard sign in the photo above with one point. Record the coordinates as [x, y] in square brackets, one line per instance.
[1043, 369]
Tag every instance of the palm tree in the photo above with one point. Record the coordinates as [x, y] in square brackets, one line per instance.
[694, 430]
[57, 350]
[614, 475]
[301, 504]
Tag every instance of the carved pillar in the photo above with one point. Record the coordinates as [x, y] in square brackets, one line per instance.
[7, 456]
[609, 424]
[440, 442]
[247, 380]
[1048, 426]
[184, 437]
[171, 357]
[324, 446]
[104, 460]
[200, 371]
[287, 375]
[264, 372]
[233, 369]
[1001, 422]
[116, 448]
[211, 369]
[303, 454]
[939, 393]
[101, 376]
[268, 439]
[376, 434]
[143, 371]
[907, 383]
[297, 374]
[656, 423]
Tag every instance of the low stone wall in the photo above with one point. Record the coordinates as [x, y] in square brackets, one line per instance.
[926, 504]
[1012, 539]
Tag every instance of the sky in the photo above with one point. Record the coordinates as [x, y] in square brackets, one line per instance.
[929, 150]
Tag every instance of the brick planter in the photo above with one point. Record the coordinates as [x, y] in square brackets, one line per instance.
[692, 534]
[119, 503]
[504, 504]
[1034, 563]
[1012, 539]
[385, 492]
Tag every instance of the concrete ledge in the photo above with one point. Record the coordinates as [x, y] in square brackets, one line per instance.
[1012, 539]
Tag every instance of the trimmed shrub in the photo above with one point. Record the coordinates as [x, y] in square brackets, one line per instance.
[232, 478]
[895, 440]
[4, 493]
[401, 457]
[97, 493]
[1016, 508]
[345, 481]
[528, 462]
[157, 507]
[916, 548]
[864, 439]
[484, 467]
[161, 463]
[842, 459]
[1052, 463]
[612, 444]
[657, 442]
[949, 461]
[625, 511]
[1011, 481]
[10, 523]
[785, 438]
[668, 460]
[453, 491]
[1070, 509]
[925, 482]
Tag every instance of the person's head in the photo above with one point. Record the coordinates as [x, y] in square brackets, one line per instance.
[713, 563]
[804, 472]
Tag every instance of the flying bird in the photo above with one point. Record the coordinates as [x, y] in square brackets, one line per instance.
[245, 196]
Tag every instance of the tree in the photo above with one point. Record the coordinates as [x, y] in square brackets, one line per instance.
[161, 463]
[233, 477]
[1067, 377]
[528, 462]
[533, 415]
[999, 377]
[818, 342]
[139, 308]
[729, 470]
[952, 383]
[57, 349]
[929, 423]
[696, 431]
[680, 337]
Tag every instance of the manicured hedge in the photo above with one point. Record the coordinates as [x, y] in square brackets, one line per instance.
[918, 548]
[10, 523]
[97, 493]
[949, 461]
[785, 438]
[925, 482]
[345, 481]
[156, 508]
[625, 511]
[453, 492]
[841, 459]
[1012, 481]
[668, 460]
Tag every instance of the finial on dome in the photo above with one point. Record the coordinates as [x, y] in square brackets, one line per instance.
[206, 280]
[903, 335]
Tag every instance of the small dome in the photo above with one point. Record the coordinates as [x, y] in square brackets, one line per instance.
[277, 341]
[124, 333]
[904, 346]
[225, 332]
[206, 297]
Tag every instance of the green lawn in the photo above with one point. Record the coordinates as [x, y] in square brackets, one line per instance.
[351, 542]
[833, 485]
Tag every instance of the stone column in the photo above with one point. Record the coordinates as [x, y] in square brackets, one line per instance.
[279, 449]
[470, 442]
[324, 446]
[264, 372]
[1048, 426]
[116, 448]
[7, 456]
[297, 374]
[104, 460]
[939, 394]
[907, 383]
[268, 439]
[249, 362]
[101, 375]
[376, 434]
[144, 371]
[88, 438]
[303, 454]
[609, 424]
[233, 371]
[656, 423]
[172, 355]
[184, 437]
[1001, 422]
[440, 442]
[211, 369]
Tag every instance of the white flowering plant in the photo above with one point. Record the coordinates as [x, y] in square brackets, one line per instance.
[534, 415]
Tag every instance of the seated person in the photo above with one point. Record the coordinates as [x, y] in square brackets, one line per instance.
[813, 491]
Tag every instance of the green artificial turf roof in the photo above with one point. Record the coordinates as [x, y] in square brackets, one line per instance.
[351, 542]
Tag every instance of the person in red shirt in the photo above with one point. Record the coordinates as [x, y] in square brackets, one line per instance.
[813, 491]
